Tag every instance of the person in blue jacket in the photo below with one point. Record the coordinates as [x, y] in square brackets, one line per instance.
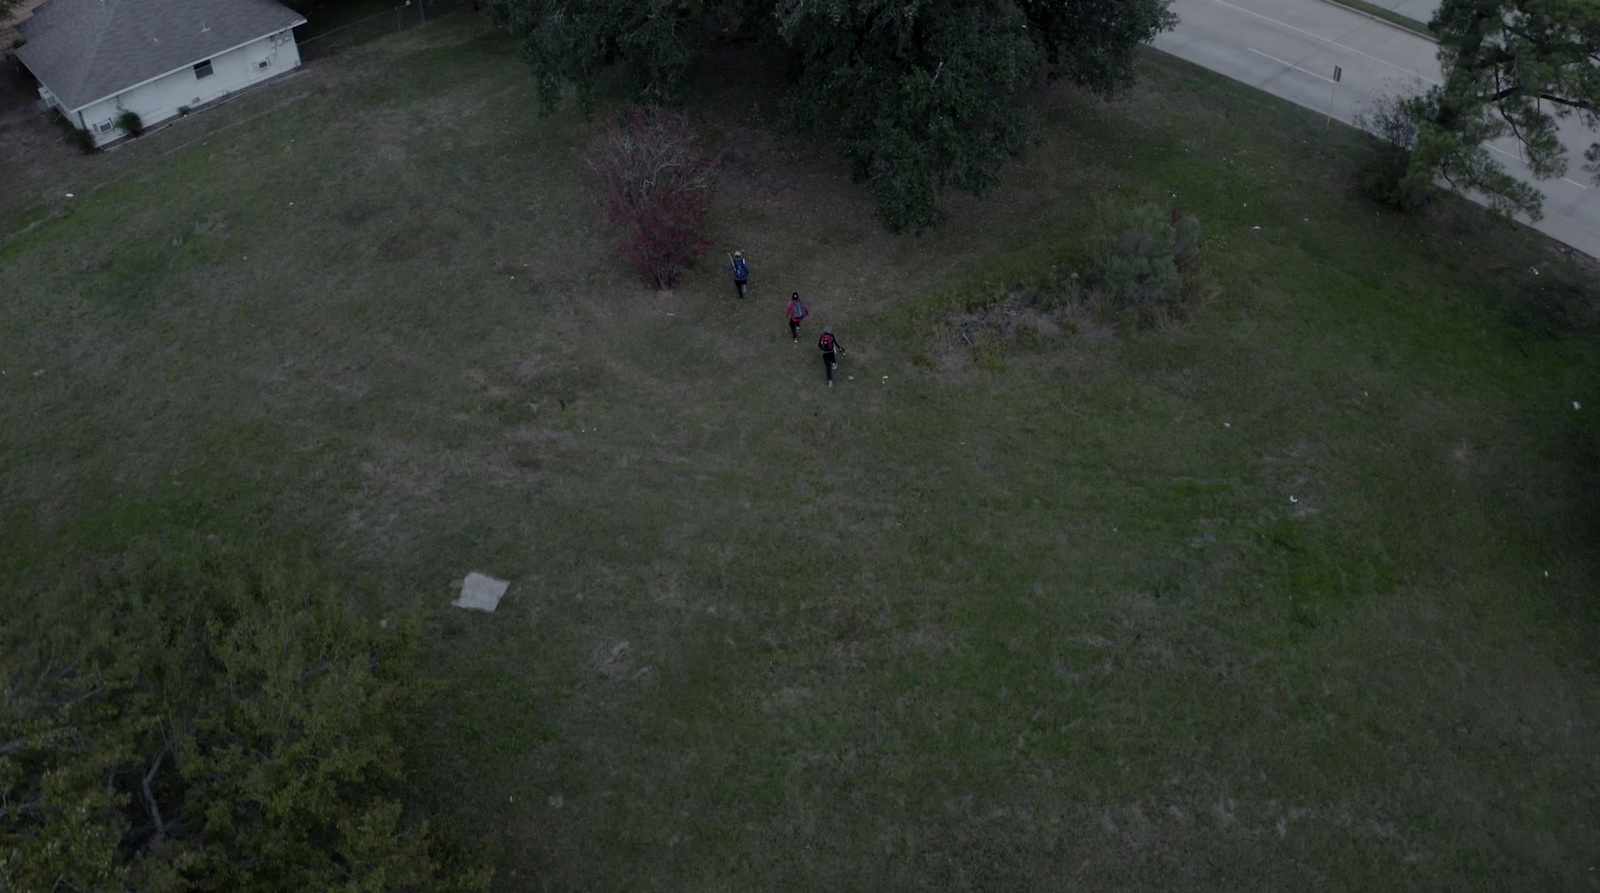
[741, 273]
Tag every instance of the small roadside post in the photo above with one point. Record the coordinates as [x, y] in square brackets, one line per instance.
[1338, 73]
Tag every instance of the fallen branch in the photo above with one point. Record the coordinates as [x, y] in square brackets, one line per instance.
[149, 798]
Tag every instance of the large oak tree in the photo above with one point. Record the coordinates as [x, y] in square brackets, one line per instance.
[210, 723]
[1511, 68]
[922, 96]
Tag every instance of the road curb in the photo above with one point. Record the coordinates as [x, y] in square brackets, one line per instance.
[1382, 21]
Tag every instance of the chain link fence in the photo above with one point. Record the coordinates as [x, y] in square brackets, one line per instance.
[411, 14]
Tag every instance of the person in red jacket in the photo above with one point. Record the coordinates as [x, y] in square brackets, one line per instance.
[797, 312]
[831, 348]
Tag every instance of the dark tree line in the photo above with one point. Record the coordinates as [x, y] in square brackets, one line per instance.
[210, 723]
[922, 96]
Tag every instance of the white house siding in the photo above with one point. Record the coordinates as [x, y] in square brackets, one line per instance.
[161, 98]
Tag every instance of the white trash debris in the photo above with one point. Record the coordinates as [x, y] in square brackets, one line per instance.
[480, 592]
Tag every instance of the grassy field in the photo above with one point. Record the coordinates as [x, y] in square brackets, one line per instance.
[1387, 14]
[1300, 595]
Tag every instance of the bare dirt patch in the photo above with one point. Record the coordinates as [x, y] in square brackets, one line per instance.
[612, 660]
[1012, 326]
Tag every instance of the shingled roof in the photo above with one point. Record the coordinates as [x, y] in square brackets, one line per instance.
[87, 50]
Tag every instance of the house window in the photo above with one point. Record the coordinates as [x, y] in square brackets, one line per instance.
[202, 69]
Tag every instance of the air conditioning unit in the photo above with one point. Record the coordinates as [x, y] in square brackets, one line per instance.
[263, 64]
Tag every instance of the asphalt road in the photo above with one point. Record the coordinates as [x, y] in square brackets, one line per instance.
[1291, 48]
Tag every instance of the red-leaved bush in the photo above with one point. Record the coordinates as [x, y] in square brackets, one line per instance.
[652, 191]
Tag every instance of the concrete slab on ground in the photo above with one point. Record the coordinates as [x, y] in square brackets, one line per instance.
[480, 592]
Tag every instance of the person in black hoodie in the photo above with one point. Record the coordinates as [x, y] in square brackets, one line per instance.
[831, 348]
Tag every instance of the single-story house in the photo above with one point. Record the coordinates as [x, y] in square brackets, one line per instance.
[96, 59]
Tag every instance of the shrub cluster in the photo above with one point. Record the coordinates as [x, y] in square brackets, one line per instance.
[1145, 264]
[652, 191]
[83, 139]
[130, 123]
[1388, 172]
[1141, 266]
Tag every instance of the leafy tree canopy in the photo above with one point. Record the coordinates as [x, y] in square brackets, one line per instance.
[205, 724]
[1512, 68]
[923, 95]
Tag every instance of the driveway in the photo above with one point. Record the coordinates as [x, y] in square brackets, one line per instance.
[1292, 48]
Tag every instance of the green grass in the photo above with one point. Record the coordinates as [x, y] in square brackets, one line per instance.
[336, 14]
[1054, 627]
[1389, 15]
